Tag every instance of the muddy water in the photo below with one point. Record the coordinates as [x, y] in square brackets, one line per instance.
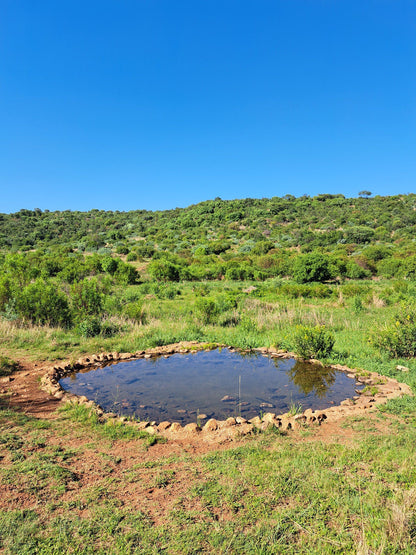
[219, 383]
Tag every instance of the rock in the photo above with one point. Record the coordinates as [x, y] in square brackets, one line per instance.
[245, 429]
[256, 421]
[320, 416]
[346, 403]
[269, 417]
[230, 422]
[192, 428]
[151, 430]
[142, 425]
[175, 427]
[299, 418]
[147, 355]
[211, 425]
[241, 420]
[286, 423]
[266, 405]
[181, 411]
[227, 399]
[163, 426]
[59, 395]
[202, 416]
[402, 368]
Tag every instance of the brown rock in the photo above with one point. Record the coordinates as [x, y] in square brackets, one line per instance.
[192, 428]
[230, 422]
[164, 426]
[175, 427]
[269, 417]
[211, 425]
[256, 421]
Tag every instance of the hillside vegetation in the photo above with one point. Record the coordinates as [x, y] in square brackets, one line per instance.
[326, 277]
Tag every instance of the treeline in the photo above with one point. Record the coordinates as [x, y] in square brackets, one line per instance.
[62, 268]
[65, 289]
[217, 226]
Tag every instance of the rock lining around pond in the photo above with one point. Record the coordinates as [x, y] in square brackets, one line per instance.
[379, 389]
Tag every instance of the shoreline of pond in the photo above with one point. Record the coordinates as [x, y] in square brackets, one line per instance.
[377, 390]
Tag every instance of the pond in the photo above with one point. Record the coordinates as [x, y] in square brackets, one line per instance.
[216, 384]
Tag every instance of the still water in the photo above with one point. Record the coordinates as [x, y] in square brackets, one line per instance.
[214, 384]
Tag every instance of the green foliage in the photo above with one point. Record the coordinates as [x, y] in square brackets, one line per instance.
[313, 341]
[398, 337]
[43, 303]
[207, 308]
[163, 270]
[86, 297]
[312, 267]
[135, 311]
[89, 327]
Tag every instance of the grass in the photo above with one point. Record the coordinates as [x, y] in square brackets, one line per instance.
[274, 494]
[74, 484]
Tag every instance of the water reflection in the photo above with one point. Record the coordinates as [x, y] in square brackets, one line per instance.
[312, 378]
[219, 383]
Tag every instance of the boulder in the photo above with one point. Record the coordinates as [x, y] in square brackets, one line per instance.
[211, 425]
[192, 428]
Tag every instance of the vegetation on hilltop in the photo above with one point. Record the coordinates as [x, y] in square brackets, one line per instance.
[326, 276]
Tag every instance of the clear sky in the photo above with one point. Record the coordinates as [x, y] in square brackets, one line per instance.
[130, 104]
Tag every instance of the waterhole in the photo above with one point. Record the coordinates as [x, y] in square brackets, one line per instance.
[216, 384]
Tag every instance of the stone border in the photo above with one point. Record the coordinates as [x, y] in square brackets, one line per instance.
[378, 390]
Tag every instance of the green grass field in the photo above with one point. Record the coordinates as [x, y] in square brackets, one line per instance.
[72, 485]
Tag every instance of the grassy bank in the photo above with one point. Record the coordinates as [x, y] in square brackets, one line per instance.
[83, 491]
[69, 485]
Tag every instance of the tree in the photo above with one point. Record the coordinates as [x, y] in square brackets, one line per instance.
[312, 267]
[365, 194]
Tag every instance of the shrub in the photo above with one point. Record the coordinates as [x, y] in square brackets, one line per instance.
[86, 297]
[313, 341]
[42, 303]
[207, 308]
[135, 311]
[398, 337]
[90, 327]
[163, 270]
[312, 267]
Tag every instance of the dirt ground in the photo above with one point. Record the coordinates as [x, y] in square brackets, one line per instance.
[126, 470]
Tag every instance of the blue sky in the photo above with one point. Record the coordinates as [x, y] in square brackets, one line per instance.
[158, 103]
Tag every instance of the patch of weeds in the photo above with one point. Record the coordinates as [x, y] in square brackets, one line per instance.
[295, 408]
[164, 478]
[34, 474]
[8, 366]
[111, 429]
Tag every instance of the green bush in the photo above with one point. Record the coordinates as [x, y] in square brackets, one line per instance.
[86, 297]
[313, 267]
[89, 327]
[313, 341]
[43, 303]
[398, 337]
[207, 308]
[136, 312]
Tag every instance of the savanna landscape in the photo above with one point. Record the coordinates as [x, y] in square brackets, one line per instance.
[329, 278]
